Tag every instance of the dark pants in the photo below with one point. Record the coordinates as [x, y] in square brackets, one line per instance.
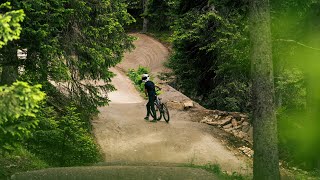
[150, 105]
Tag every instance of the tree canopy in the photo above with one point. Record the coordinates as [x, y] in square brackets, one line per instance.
[9, 24]
[69, 47]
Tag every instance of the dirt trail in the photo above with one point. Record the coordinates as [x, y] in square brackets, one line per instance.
[148, 52]
[125, 136]
[126, 92]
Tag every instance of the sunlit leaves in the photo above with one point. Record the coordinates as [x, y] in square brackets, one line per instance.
[135, 76]
[71, 42]
[10, 28]
[18, 106]
[63, 140]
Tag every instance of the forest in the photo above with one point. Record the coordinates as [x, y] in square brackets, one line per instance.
[48, 98]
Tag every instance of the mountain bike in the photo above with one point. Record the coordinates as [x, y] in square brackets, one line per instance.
[161, 110]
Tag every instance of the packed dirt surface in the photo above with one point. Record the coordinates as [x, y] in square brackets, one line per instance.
[148, 53]
[117, 173]
[124, 136]
[126, 92]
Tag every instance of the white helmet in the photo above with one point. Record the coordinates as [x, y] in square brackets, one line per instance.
[145, 77]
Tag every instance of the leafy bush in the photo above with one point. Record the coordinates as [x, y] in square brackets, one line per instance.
[17, 102]
[10, 27]
[135, 76]
[211, 60]
[232, 96]
[291, 83]
[160, 14]
[63, 140]
[19, 161]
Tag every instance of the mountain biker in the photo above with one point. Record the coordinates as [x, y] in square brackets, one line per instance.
[150, 91]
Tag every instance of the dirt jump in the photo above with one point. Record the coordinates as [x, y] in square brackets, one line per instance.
[124, 136]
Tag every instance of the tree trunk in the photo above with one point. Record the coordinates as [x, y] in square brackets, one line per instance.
[9, 75]
[145, 25]
[145, 18]
[266, 161]
[9, 72]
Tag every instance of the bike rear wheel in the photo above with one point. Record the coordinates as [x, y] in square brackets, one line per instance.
[158, 113]
[165, 113]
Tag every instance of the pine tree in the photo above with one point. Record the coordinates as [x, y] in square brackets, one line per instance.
[266, 162]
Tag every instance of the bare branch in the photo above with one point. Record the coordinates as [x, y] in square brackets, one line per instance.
[298, 43]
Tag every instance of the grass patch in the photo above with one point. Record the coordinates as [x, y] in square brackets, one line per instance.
[295, 173]
[19, 161]
[216, 169]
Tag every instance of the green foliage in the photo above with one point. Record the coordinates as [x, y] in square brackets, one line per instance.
[301, 174]
[160, 14]
[210, 60]
[135, 76]
[216, 169]
[291, 83]
[19, 161]
[72, 41]
[185, 6]
[232, 96]
[165, 37]
[17, 103]
[134, 4]
[63, 140]
[10, 28]
[295, 24]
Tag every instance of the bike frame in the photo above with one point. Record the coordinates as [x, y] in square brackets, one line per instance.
[158, 102]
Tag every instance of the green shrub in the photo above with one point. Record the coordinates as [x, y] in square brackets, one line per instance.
[216, 169]
[135, 76]
[63, 140]
[210, 60]
[17, 103]
[19, 161]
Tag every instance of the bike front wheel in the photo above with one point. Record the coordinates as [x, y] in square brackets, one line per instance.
[165, 113]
